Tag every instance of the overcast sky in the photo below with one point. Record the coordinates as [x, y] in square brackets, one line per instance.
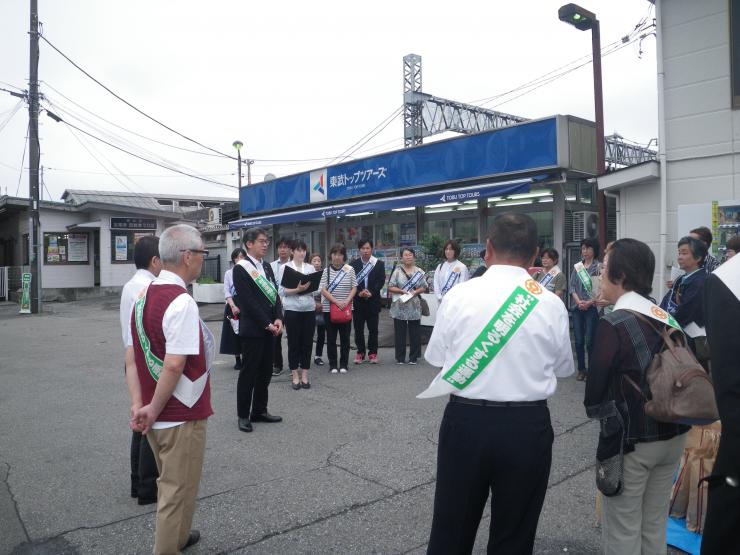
[293, 80]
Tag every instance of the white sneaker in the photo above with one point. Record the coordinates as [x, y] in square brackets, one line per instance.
[342, 370]
[334, 370]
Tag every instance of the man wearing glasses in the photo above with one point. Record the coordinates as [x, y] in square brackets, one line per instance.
[260, 322]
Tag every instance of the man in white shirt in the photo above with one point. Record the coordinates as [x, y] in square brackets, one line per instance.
[167, 363]
[502, 341]
[284, 249]
[148, 265]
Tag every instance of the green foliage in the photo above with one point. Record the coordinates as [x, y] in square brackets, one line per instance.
[205, 280]
[432, 254]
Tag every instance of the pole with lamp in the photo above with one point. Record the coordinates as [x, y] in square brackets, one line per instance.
[583, 20]
[238, 146]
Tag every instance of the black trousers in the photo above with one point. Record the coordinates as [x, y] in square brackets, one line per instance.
[300, 326]
[277, 356]
[332, 330]
[362, 315]
[144, 472]
[414, 332]
[723, 507]
[320, 335]
[255, 375]
[507, 450]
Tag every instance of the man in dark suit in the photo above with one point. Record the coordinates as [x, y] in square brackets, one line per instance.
[260, 321]
[722, 309]
[370, 274]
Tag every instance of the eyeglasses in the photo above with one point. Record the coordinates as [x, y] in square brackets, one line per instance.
[198, 251]
[263, 242]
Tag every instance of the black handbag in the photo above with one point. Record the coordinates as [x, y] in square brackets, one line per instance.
[610, 451]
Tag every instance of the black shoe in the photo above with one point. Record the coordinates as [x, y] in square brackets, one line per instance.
[266, 417]
[318, 362]
[277, 371]
[146, 500]
[193, 538]
[245, 425]
[412, 361]
[305, 385]
[238, 366]
[296, 386]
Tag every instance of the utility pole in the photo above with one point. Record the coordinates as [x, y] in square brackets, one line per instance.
[34, 151]
[249, 171]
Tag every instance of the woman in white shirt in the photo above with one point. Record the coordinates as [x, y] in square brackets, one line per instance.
[300, 321]
[451, 272]
[230, 343]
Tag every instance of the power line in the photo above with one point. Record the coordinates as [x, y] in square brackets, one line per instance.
[23, 159]
[57, 118]
[63, 55]
[341, 156]
[12, 112]
[69, 170]
[128, 130]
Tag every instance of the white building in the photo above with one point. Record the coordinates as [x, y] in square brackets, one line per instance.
[697, 178]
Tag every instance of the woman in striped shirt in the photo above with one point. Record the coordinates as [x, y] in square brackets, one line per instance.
[338, 286]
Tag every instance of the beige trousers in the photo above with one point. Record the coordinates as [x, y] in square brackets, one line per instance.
[634, 522]
[179, 453]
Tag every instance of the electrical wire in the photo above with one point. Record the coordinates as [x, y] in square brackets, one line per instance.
[63, 55]
[141, 157]
[23, 159]
[128, 130]
[386, 121]
[11, 86]
[12, 112]
[69, 170]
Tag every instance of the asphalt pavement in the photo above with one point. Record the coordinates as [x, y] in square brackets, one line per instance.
[351, 469]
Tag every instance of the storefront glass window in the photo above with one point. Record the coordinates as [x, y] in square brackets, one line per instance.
[349, 232]
[466, 231]
[585, 193]
[122, 245]
[543, 219]
[387, 236]
[437, 227]
[66, 248]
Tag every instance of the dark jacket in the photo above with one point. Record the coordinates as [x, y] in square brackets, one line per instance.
[684, 302]
[723, 331]
[614, 359]
[256, 312]
[375, 282]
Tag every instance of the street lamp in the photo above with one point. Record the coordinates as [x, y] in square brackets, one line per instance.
[583, 20]
[238, 146]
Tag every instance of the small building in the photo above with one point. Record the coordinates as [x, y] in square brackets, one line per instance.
[87, 241]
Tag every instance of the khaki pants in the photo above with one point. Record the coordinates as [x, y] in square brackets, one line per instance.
[634, 521]
[179, 453]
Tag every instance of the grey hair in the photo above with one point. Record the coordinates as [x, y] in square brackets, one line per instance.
[176, 239]
[697, 247]
[251, 234]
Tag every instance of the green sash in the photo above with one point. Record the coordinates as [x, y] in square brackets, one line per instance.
[264, 285]
[584, 276]
[153, 363]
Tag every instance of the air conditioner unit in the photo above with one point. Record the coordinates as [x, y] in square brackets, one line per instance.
[585, 224]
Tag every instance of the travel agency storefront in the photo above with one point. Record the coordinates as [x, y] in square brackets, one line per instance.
[451, 188]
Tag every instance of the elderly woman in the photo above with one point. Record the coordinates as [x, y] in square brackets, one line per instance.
[338, 287]
[407, 282]
[685, 300]
[635, 513]
[230, 343]
[451, 272]
[551, 277]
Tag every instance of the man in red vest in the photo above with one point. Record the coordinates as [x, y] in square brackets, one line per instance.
[167, 362]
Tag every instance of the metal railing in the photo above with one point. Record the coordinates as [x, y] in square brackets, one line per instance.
[11, 279]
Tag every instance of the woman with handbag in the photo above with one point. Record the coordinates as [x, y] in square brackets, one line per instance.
[338, 287]
[230, 343]
[407, 283]
[300, 319]
[637, 455]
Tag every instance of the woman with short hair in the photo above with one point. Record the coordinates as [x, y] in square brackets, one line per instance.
[551, 277]
[230, 343]
[338, 287]
[586, 312]
[633, 517]
[451, 272]
[407, 283]
[300, 319]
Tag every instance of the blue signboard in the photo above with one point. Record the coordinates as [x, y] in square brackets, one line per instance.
[525, 147]
[441, 196]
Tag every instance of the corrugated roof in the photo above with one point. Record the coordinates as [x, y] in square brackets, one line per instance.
[112, 197]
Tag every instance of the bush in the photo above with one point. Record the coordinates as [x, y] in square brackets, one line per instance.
[205, 280]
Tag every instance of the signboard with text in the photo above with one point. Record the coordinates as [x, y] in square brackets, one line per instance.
[134, 223]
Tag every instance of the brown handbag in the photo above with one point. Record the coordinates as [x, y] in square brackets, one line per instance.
[681, 391]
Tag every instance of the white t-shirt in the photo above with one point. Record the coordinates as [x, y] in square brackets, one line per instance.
[180, 325]
[129, 295]
[298, 303]
[525, 369]
[277, 269]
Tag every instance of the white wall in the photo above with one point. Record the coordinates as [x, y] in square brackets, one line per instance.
[115, 274]
[63, 275]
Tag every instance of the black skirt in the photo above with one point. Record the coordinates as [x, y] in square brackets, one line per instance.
[230, 343]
